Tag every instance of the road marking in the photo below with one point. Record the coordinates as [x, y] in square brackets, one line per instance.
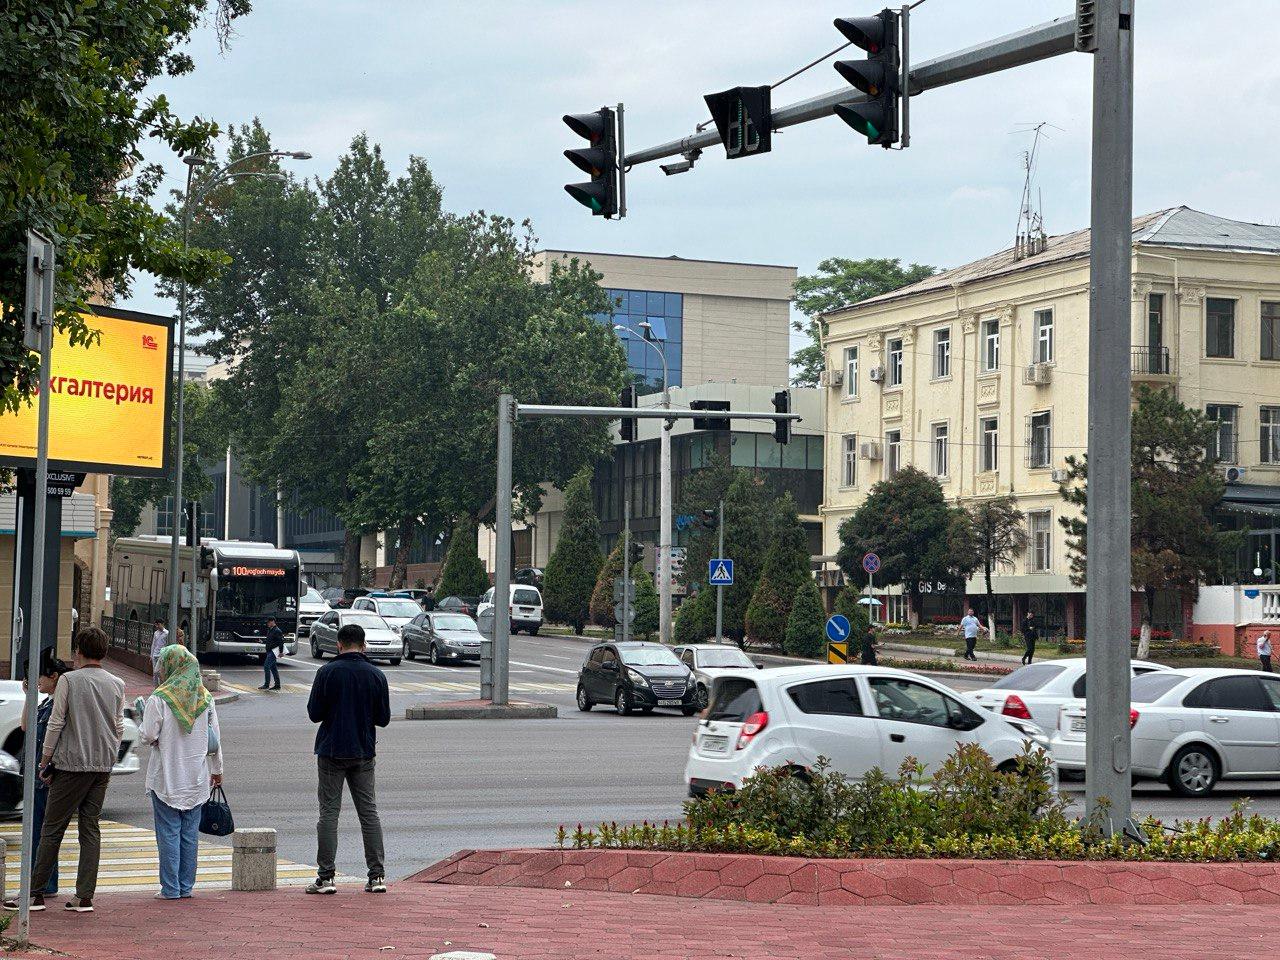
[539, 666]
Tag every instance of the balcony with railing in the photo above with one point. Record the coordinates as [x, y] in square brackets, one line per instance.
[1151, 364]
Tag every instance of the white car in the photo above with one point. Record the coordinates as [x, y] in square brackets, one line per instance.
[1036, 691]
[13, 701]
[311, 607]
[1190, 728]
[708, 661]
[396, 611]
[526, 608]
[858, 717]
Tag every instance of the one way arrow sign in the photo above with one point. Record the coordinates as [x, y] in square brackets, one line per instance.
[720, 572]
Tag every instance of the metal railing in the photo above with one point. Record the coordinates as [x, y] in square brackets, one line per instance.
[1150, 360]
[133, 636]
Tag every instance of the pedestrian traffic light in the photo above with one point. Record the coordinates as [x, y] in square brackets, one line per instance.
[877, 76]
[708, 519]
[192, 512]
[599, 161]
[743, 119]
[710, 423]
[627, 425]
[637, 554]
[782, 428]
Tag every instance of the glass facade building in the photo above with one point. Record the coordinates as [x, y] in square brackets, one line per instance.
[664, 312]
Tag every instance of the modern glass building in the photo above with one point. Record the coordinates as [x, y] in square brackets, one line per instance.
[664, 314]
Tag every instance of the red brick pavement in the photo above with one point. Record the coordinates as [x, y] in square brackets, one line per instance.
[417, 920]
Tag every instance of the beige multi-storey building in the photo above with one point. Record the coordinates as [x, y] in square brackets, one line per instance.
[979, 376]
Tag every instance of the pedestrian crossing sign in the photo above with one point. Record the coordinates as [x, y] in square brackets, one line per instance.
[720, 572]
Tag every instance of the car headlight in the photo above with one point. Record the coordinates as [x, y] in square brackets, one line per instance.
[637, 677]
[9, 764]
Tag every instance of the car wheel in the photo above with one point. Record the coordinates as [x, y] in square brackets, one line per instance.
[584, 702]
[1193, 771]
[409, 653]
[702, 697]
[435, 656]
[394, 661]
[622, 703]
[533, 631]
[316, 652]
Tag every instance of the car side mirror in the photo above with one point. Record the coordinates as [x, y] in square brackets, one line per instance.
[611, 665]
[759, 664]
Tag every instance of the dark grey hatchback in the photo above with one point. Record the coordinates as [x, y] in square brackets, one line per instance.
[636, 676]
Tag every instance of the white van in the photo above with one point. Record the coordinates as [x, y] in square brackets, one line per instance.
[526, 608]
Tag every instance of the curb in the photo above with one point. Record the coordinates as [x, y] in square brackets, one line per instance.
[482, 710]
[229, 697]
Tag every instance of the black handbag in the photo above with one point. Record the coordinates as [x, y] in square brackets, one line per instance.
[215, 815]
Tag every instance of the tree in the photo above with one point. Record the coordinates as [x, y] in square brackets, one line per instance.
[695, 618]
[907, 522]
[703, 489]
[840, 282]
[575, 563]
[805, 636]
[846, 603]
[72, 116]
[995, 533]
[463, 574]
[602, 596]
[748, 528]
[786, 568]
[645, 600]
[1175, 487]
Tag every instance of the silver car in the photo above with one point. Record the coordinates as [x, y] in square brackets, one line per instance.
[442, 637]
[708, 661]
[381, 642]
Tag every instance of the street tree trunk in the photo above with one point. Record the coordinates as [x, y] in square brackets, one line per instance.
[913, 607]
[351, 559]
[1148, 615]
[991, 603]
[404, 543]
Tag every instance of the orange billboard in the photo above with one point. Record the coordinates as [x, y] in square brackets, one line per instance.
[109, 400]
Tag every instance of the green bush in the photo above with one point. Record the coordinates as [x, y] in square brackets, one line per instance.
[602, 596]
[463, 574]
[847, 603]
[696, 618]
[645, 624]
[574, 565]
[805, 636]
[786, 568]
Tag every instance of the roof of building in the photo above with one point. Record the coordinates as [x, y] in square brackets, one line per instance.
[649, 256]
[1174, 227]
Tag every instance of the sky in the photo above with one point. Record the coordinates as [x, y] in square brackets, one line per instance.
[479, 88]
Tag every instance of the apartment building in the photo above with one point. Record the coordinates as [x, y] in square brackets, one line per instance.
[979, 376]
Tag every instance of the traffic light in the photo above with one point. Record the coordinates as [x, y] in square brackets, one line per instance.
[877, 76]
[599, 161]
[206, 558]
[710, 423]
[637, 554]
[743, 118]
[782, 428]
[708, 519]
[627, 425]
[192, 512]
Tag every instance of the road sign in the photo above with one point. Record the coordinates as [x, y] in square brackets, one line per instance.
[619, 584]
[720, 572]
[838, 628]
[837, 653]
[871, 562]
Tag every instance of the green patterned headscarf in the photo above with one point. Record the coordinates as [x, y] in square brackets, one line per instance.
[181, 687]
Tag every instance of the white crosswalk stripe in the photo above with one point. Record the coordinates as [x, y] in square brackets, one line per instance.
[431, 686]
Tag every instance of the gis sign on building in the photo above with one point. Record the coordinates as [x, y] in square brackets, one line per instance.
[110, 400]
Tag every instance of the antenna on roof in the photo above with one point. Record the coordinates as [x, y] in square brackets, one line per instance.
[1029, 236]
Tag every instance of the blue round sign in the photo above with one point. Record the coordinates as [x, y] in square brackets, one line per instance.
[871, 563]
[838, 628]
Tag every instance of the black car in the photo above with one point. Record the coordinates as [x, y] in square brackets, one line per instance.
[636, 676]
[465, 605]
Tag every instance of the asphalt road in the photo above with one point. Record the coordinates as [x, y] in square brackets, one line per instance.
[449, 785]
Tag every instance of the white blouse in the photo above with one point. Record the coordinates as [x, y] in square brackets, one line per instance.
[180, 765]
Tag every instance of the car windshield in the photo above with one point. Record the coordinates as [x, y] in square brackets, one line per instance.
[526, 598]
[397, 608]
[649, 657]
[454, 621]
[1150, 687]
[313, 596]
[1029, 678]
[728, 657]
[370, 621]
[257, 596]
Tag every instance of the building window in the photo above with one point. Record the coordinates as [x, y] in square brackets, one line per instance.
[1155, 319]
[1270, 330]
[942, 353]
[1220, 327]
[1044, 336]
[664, 315]
[1227, 419]
[892, 452]
[940, 459]
[1040, 541]
[990, 345]
[851, 371]
[989, 429]
[895, 363]
[1039, 440]
[849, 460]
[1270, 435]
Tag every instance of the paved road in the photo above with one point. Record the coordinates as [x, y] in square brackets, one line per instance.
[448, 785]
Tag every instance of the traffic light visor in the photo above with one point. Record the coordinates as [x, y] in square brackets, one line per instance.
[589, 126]
[865, 75]
[591, 195]
[866, 118]
[592, 161]
[864, 32]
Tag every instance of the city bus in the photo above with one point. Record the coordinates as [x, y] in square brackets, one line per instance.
[239, 585]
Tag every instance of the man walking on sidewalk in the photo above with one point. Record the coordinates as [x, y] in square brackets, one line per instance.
[274, 642]
[159, 640]
[80, 748]
[1264, 650]
[970, 626]
[349, 698]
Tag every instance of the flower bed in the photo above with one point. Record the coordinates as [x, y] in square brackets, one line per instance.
[946, 666]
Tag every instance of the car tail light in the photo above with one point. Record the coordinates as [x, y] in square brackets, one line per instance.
[1014, 707]
[1133, 718]
[753, 725]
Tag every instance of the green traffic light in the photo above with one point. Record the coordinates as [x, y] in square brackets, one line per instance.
[586, 194]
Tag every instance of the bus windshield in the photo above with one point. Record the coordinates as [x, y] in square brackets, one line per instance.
[257, 596]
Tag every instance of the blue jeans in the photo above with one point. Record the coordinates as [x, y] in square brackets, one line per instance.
[271, 675]
[37, 819]
[178, 842]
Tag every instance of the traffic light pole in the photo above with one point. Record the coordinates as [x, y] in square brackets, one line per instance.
[720, 587]
[626, 569]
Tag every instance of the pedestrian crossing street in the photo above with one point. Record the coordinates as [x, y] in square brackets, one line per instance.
[429, 686]
[130, 861]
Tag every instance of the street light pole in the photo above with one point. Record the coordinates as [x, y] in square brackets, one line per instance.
[720, 587]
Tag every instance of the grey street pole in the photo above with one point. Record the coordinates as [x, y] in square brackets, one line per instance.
[1107, 600]
[195, 577]
[664, 517]
[626, 569]
[720, 588]
[502, 553]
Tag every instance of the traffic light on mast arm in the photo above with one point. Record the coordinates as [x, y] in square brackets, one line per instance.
[627, 425]
[782, 428]
[637, 555]
[599, 160]
[878, 77]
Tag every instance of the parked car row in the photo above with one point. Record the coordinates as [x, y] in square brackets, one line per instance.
[400, 606]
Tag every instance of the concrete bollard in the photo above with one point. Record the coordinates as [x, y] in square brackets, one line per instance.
[212, 680]
[253, 859]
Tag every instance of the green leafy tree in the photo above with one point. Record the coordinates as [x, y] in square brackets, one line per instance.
[748, 528]
[574, 565]
[695, 618]
[786, 568]
[73, 114]
[602, 596]
[906, 521]
[703, 489]
[463, 574]
[645, 599]
[840, 282]
[993, 533]
[805, 635]
[846, 603]
[1175, 488]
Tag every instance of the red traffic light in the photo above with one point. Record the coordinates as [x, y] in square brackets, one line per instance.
[865, 32]
[589, 126]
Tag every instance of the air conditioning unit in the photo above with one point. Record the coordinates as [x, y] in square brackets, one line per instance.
[831, 378]
[876, 374]
[869, 450]
[1232, 473]
[1059, 475]
[1038, 374]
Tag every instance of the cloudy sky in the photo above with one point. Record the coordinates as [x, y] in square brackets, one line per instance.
[478, 89]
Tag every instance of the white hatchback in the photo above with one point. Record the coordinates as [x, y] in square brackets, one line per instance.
[858, 717]
[1036, 691]
[1190, 728]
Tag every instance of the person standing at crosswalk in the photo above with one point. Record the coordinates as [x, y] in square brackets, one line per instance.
[181, 725]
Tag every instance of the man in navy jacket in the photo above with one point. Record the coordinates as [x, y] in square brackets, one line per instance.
[349, 697]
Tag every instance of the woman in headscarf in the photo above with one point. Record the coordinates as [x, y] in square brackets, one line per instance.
[181, 725]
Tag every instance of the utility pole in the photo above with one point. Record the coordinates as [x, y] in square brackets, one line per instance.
[1107, 600]
[502, 553]
[626, 569]
[194, 646]
[720, 587]
[664, 518]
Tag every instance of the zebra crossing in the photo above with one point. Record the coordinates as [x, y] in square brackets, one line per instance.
[427, 686]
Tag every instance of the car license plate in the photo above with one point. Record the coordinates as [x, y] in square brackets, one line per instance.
[669, 703]
[1078, 724]
[528, 610]
[715, 744]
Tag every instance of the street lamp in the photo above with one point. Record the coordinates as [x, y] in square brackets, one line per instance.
[221, 175]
